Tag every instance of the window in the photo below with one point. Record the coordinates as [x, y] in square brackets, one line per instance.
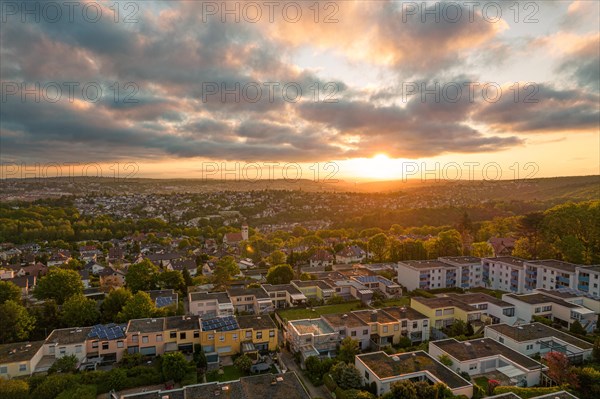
[438, 312]
[272, 333]
[501, 340]
[135, 338]
[173, 334]
[366, 332]
[4, 370]
[23, 367]
[366, 375]
[145, 339]
[404, 323]
[529, 347]
[249, 334]
[196, 334]
[472, 366]
[159, 338]
[396, 327]
[259, 335]
[235, 337]
[62, 351]
[120, 344]
[182, 335]
[415, 325]
[95, 344]
[353, 334]
[222, 338]
[210, 337]
[385, 329]
[104, 346]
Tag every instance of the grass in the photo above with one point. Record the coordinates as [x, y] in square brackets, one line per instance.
[404, 301]
[307, 313]
[230, 373]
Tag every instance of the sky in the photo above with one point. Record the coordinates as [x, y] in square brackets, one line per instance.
[351, 90]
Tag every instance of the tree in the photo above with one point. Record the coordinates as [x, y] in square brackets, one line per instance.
[225, 269]
[114, 303]
[79, 311]
[577, 328]
[404, 389]
[378, 246]
[53, 385]
[13, 389]
[596, 351]
[588, 379]
[244, 363]
[200, 357]
[117, 379]
[277, 258]
[139, 307]
[346, 376]
[559, 368]
[482, 249]
[174, 366]
[449, 243]
[171, 279]
[47, 318]
[9, 291]
[458, 327]
[348, 349]
[65, 364]
[358, 394]
[187, 279]
[141, 276]
[59, 284]
[281, 274]
[16, 322]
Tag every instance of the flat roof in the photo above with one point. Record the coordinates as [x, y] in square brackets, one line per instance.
[148, 325]
[182, 323]
[221, 297]
[19, 351]
[536, 331]
[479, 297]
[281, 287]
[483, 347]
[555, 264]
[66, 336]
[427, 264]
[382, 317]
[539, 298]
[463, 260]
[256, 292]
[344, 320]
[312, 326]
[511, 260]
[444, 302]
[256, 322]
[405, 312]
[312, 283]
[389, 366]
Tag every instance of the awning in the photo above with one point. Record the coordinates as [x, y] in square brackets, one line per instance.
[171, 347]
[511, 371]
[248, 347]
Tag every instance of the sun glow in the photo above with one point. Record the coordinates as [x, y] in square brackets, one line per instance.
[379, 166]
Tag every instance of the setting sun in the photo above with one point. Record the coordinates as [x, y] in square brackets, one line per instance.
[379, 166]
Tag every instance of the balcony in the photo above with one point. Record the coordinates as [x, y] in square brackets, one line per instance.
[531, 272]
[584, 288]
[514, 274]
[584, 279]
[514, 281]
[563, 280]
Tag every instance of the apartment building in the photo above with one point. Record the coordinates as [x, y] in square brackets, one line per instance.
[588, 280]
[20, 359]
[426, 274]
[485, 355]
[550, 274]
[285, 295]
[442, 311]
[506, 273]
[210, 304]
[314, 289]
[251, 300]
[385, 370]
[551, 307]
[538, 338]
[469, 271]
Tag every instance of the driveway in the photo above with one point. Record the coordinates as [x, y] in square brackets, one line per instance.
[290, 364]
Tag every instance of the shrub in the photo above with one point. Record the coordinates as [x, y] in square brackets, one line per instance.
[79, 392]
[329, 382]
[13, 389]
[527, 393]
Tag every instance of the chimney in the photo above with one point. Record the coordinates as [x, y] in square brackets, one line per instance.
[374, 316]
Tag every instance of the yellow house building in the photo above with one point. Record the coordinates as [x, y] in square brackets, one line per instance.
[442, 311]
[19, 359]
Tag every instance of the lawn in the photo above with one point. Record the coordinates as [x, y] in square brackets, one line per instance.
[404, 301]
[230, 373]
[307, 313]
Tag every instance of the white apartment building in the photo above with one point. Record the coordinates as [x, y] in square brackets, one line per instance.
[426, 274]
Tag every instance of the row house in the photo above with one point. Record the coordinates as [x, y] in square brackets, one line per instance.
[485, 355]
[384, 285]
[413, 324]
[351, 289]
[285, 295]
[539, 339]
[314, 289]
[312, 337]
[385, 329]
[156, 336]
[493, 310]
[251, 300]
[442, 311]
[20, 359]
[555, 309]
[210, 304]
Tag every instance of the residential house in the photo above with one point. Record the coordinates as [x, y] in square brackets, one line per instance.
[493, 310]
[312, 337]
[351, 254]
[285, 295]
[106, 343]
[442, 311]
[485, 355]
[380, 283]
[588, 280]
[252, 300]
[350, 325]
[537, 338]
[314, 289]
[385, 329]
[20, 359]
[413, 324]
[321, 258]
[210, 304]
[94, 267]
[502, 246]
[64, 342]
[111, 278]
[384, 370]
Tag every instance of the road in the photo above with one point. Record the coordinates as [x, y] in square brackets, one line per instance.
[314, 392]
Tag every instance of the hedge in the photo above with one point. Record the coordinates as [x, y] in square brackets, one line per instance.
[526, 393]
